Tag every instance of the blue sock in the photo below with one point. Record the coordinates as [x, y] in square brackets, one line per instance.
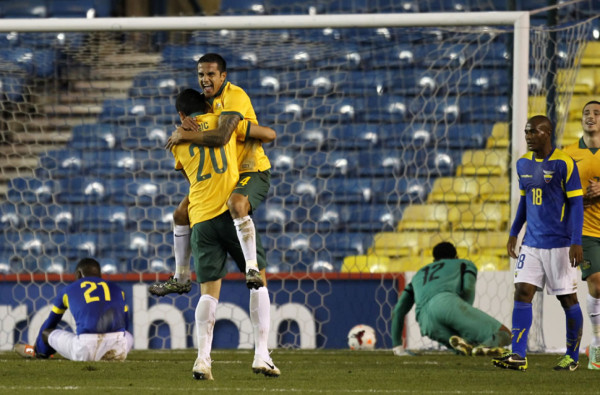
[521, 322]
[574, 328]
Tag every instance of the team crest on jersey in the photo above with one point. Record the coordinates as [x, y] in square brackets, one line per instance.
[548, 175]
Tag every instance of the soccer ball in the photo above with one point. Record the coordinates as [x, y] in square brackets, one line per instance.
[362, 337]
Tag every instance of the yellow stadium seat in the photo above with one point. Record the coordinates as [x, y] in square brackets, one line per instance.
[590, 54]
[393, 244]
[424, 217]
[583, 82]
[494, 189]
[488, 162]
[454, 190]
[499, 136]
[407, 264]
[492, 243]
[365, 264]
[489, 263]
[479, 216]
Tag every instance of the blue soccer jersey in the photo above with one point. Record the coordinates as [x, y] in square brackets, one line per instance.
[97, 305]
[547, 185]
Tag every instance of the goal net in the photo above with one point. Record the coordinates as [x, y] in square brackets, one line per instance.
[390, 139]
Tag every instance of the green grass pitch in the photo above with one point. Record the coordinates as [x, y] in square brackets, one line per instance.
[302, 372]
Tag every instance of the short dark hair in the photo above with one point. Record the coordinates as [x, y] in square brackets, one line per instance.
[214, 58]
[590, 102]
[544, 121]
[89, 267]
[444, 250]
[190, 101]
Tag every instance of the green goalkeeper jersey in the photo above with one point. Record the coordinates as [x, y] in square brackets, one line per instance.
[457, 276]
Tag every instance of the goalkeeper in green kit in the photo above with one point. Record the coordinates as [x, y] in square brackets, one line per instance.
[443, 292]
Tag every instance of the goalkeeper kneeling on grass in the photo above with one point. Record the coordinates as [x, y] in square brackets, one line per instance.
[101, 318]
[443, 292]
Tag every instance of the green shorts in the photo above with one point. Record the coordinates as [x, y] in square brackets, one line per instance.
[255, 185]
[211, 241]
[591, 256]
[446, 314]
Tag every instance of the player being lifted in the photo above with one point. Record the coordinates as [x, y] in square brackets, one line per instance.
[552, 205]
[213, 173]
[233, 106]
[586, 153]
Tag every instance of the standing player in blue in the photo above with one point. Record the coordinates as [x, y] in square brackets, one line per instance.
[101, 317]
[552, 205]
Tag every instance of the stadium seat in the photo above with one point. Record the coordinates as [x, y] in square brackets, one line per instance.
[365, 264]
[345, 190]
[100, 218]
[13, 216]
[424, 217]
[396, 57]
[331, 164]
[355, 136]
[264, 82]
[382, 109]
[454, 190]
[370, 218]
[390, 162]
[407, 264]
[399, 190]
[12, 88]
[93, 136]
[147, 219]
[490, 263]
[31, 190]
[71, 9]
[479, 216]
[495, 189]
[242, 7]
[296, 191]
[317, 219]
[144, 136]
[483, 163]
[332, 110]
[136, 110]
[61, 164]
[491, 243]
[111, 163]
[75, 246]
[273, 219]
[436, 109]
[79, 190]
[393, 244]
[36, 62]
[439, 163]
[145, 192]
[51, 217]
[483, 109]
[582, 81]
[25, 9]
[499, 137]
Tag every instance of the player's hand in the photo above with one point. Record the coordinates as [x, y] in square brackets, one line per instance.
[173, 140]
[575, 255]
[511, 246]
[189, 124]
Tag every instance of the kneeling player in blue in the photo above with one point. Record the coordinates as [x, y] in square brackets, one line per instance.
[101, 317]
[552, 205]
[443, 293]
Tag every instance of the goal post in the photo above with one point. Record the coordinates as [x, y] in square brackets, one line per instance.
[314, 305]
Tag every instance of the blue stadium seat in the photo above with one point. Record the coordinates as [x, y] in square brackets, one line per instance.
[407, 135]
[147, 192]
[296, 190]
[72, 9]
[259, 82]
[285, 161]
[14, 216]
[439, 163]
[51, 217]
[242, 7]
[296, 7]
[75, 246]
[94, 136]
[147, 219]
[12, 88]
[486, 109]
[31, 190]
[345, 56]
[161, 83]
[271, 218]
[303, 83]
[36, 62]
[399, 56]
[25, 9]
[389, 162]
[494, 55]
[34, 243]
[382, 109]
[341, 244]
[133, 110]
[331, 164]
[363, 82]
[320, 219]
[332, 109]
[436, 109]
[440, 55]
[356, 136]
[369, 217]
[61, 163]
[184, 58]
[474, 82]
[462, 136]
[144, 136]
[112, 163]
[124, 245]
[67, 41]
[285, 109]
[401, 190]
[345, 190]
[77, 190]
[101, 218]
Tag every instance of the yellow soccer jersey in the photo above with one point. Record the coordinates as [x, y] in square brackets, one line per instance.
[588, 163]
[231, 99]
[212, 171]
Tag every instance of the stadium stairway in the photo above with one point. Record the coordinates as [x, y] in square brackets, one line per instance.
[45, 122]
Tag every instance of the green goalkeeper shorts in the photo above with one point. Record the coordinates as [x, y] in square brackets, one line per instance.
[211, 241]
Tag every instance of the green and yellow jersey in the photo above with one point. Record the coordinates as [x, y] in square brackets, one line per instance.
[231, 99]
[212, 171]
[588, 163]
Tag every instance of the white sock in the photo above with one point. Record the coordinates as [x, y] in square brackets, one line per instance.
[205, 324]
[260, 315]
[593, 310]
[181, 243]
[246, 234]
